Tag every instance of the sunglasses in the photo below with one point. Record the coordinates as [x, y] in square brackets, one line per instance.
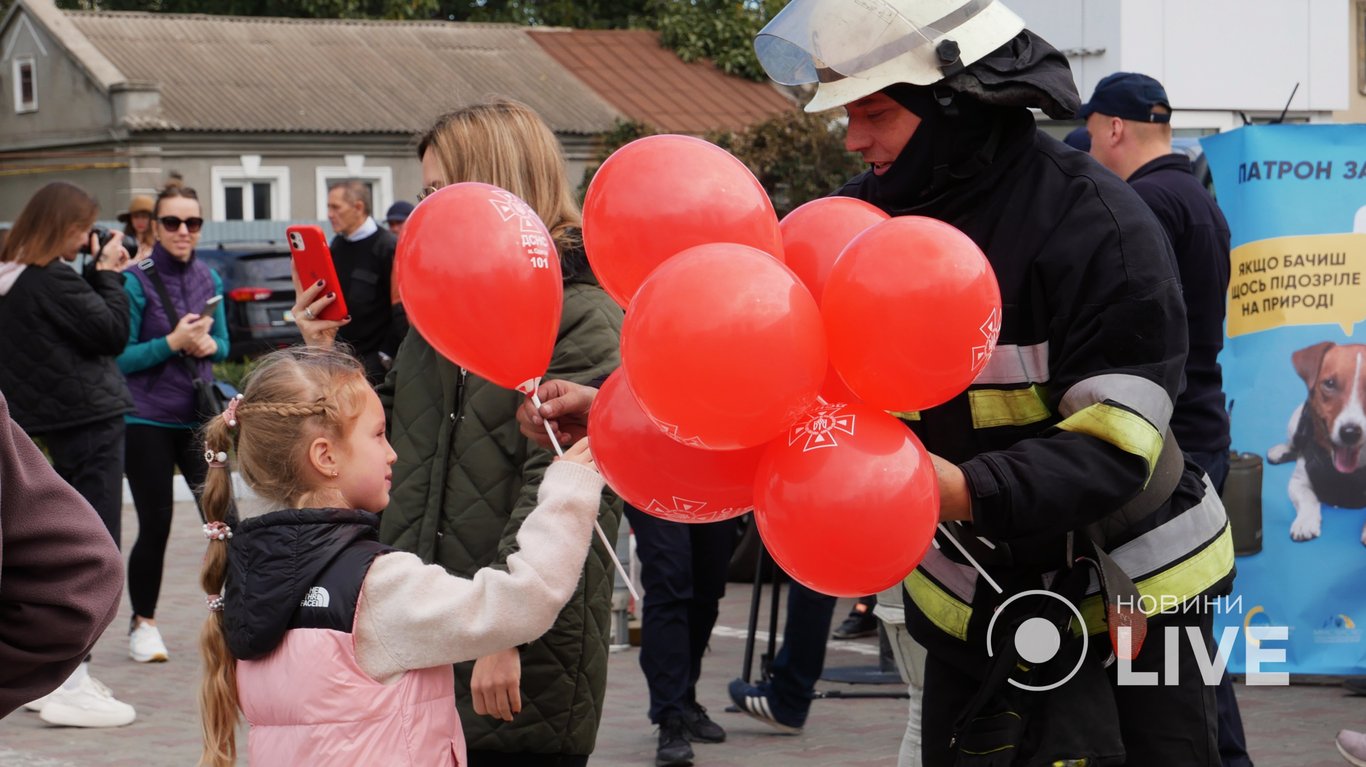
[428, 191]
[193, 225]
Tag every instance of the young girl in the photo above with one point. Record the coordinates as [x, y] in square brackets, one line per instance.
[336, 648]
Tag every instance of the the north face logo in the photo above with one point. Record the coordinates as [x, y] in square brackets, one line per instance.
[316, 597]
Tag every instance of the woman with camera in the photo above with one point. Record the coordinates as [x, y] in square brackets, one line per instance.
[176, 333]
[61, 332]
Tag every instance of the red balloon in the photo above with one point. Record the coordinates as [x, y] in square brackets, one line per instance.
[660, 476]
[660, 195]
[815, 233]
[480, 280]
[847, 500]
[912, 312]
[723, 346]
[834, 390]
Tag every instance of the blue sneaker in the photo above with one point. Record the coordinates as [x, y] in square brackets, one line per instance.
[757, 701]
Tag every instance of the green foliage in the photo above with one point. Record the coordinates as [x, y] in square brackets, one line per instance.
[233, 372]
[305, 9]
[721, 31]
[581, 14]
[796, 156]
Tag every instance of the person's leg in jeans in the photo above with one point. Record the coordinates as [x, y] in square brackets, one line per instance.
[150, 466]
[910, 661]
[664, 549]
[90, 459]
[793, 673]
[712, 545]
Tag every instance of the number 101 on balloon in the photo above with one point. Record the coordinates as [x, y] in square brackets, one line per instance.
[538, 250]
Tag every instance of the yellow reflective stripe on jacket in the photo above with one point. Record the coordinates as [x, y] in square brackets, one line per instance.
[1006, 407]
[905, 415]
[1127, 431]
[944, 610]
[1136, 393]
[1177, 584]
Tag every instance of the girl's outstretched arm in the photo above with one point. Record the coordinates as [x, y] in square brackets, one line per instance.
[414, 616]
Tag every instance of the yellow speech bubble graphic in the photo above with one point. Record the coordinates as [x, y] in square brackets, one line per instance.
[1317, 279]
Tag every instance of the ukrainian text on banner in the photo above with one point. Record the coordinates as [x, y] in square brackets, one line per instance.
[1295, 374]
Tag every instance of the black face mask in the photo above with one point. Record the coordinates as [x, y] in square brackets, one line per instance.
[952, 142]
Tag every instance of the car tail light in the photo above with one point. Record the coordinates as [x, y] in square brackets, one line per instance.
[246, 295]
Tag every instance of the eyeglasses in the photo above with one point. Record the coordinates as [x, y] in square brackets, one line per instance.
[428, 191]
[173, 223]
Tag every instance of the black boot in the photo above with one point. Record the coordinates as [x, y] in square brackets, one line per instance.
[860, 623]
[700, 727]
[674, 749]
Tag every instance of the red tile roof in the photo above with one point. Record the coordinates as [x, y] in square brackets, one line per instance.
[631, 71]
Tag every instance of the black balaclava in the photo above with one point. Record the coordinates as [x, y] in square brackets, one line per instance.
[947, 144]
[966, 118]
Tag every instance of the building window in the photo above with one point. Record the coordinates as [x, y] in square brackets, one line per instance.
[248, 200]
[379, 180]
[25, 86]
[254, 193]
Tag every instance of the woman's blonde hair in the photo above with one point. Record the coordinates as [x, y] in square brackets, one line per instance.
[291, 398]
[44, 225]
[506, 144]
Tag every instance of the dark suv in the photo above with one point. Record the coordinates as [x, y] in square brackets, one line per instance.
[257, 292]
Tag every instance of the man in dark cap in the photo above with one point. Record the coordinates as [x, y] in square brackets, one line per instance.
[397, 216]
[1128, 120]
[1056, 469]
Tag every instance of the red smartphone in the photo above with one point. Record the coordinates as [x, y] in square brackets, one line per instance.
[313, 262]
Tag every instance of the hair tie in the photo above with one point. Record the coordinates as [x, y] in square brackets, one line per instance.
[215, 460]
[217, 531]
[214, 602]
[230, 412]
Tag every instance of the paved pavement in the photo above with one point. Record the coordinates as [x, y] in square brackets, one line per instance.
[1286, 726]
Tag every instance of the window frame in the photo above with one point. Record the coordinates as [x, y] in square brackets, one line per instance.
[16, 70]
[221, 176]
[381, 178]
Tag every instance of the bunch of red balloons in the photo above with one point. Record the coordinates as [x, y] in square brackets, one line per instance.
[759, 358]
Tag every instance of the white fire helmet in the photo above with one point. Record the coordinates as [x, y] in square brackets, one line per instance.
[852, 48]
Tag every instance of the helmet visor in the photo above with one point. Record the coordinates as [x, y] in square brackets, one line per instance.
[846, 37]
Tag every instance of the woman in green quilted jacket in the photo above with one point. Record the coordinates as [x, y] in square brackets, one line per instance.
[466, 477]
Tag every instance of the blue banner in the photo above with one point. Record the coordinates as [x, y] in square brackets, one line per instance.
[1295, 373]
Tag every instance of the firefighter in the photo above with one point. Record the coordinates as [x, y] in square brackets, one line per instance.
[1074, 526]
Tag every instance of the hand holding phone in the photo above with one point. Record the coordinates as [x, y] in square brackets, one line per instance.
[313, 263]
[210, 306]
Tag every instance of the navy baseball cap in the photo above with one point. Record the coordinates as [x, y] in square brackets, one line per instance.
[399, 211]
[1128, 96]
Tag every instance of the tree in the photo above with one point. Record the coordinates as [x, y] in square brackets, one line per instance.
[797, 157]
[580, 14]
[721, 31]
[305, 9]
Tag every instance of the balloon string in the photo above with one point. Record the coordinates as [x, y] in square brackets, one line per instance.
[602, 536]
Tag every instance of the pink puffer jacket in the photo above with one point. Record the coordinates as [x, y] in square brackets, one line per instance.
[340, 717]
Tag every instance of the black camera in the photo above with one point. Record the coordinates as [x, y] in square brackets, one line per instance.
[105, 235]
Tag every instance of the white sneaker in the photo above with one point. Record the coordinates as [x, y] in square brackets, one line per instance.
[37, 704]
[145, 645]
[89, 705]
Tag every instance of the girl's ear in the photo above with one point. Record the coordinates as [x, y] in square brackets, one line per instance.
[322, 458]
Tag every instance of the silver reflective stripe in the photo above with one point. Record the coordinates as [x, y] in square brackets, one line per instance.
[960, 580]
[1011, 364]
[1134, 392]
[1156, 549]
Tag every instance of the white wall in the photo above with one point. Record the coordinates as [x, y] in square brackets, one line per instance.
[1216, 55]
